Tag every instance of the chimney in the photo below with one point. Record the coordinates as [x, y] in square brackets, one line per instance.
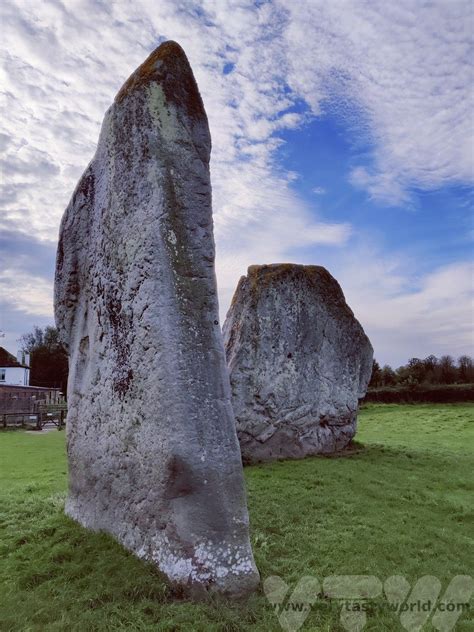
[27, 359]
[19, 357]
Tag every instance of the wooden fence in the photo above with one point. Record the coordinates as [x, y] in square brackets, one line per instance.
[55, 415]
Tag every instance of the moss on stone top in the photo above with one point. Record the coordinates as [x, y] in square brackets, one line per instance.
[168, 66]
[273, 271]
[284, 267]
[260, 277]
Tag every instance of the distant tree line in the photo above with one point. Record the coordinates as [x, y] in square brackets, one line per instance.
[48, 358]
[430, 371]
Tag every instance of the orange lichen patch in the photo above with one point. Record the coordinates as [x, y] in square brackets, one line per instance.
[168, 66]
[148, 71]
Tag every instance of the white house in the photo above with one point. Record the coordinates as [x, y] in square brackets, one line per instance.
[13, 371]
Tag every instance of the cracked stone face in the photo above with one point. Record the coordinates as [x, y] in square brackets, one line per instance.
[299, 362]
[152, 447]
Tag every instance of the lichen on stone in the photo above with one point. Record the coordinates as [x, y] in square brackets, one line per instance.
[299, 362]
[136, 302]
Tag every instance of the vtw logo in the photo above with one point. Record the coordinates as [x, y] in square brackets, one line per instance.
[414, 605]
[295, 611]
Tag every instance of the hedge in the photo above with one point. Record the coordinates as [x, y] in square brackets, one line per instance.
[437, 394]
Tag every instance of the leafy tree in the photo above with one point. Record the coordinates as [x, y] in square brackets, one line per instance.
[387, 376]
[48, 358]
[465, 369]
[431, 370]
[431, 362]
[417, 370]
[448, 370]
[375, 378]
[406, 376]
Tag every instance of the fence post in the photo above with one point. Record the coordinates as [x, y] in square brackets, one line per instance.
[38, 421]
[4, 420]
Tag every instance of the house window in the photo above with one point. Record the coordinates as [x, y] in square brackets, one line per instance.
[2, 375]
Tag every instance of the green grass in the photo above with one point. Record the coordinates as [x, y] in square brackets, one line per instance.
[400, 506]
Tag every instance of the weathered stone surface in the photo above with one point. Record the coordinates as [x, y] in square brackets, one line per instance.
[152, 447]
[298, 360]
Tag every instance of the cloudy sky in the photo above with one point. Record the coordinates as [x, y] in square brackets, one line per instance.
[342, 136]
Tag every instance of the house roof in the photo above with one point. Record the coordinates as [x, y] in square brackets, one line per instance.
[18, 387]
[7, 360]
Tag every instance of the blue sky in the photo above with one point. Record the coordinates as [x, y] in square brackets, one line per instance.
[432, 225]
[342, 136]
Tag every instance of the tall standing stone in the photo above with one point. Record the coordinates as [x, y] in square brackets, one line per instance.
[299, 362]
[152, 448]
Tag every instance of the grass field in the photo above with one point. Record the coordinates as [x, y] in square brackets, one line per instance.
[402, 505]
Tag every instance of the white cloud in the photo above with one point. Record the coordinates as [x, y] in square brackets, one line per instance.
[399, 74]
[437, 316]
[25, 292]
[380, 185]
[404, 313]
[407, 67]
